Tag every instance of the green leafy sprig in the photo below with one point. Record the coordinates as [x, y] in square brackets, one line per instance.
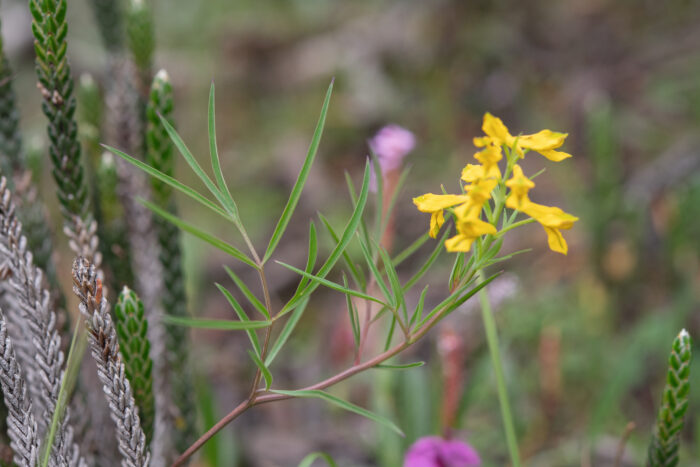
[131, 327]
[663, 449]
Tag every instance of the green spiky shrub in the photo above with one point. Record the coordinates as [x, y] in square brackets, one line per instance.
[161, 156]
[131, 326]
[663, 449]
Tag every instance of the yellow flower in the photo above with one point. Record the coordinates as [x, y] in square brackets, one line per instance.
[544, 142]
[553, 220]
[435, 204]
[519, 185]
[469, 228]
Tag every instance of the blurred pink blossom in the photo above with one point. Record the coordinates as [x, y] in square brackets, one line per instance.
[434, 451]
[390, 144]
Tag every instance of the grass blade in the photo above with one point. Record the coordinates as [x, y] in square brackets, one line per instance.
[70, 376]
[217, 324]
[241, 315]
[191, 229]
[316, 394]
[248, 294]
[301, 179]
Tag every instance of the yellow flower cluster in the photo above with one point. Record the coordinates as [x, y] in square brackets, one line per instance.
[481, 180]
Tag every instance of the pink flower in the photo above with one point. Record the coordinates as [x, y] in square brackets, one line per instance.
[390, 144]
[434, 451]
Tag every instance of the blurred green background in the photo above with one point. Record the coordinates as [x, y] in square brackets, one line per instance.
[584, 337]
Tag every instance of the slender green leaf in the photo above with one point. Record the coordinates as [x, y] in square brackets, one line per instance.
[418, 313]
[228, 204]
[219, 324]
[426, 266]
[214, 152]
[309, 460]
[345, 239]
[390, 334]
[263, 369]
[331, 284]
[189, 228]
[167, 179]
[393, 281]
[456, 299]
[392, 201]
[364, 231]
[317, 394]
[357, 274]
[352, 312]
[301, 179]
[286, 331]
[400, 367]
[248, 294]
[311, 259]
[377, 275]
[379, 196]
[76, 351]
[409, 250]
[241, 315]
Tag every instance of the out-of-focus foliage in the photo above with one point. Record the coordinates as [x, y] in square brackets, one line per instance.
[584, 337]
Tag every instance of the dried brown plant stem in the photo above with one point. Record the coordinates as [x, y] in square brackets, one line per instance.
[629, 428]
[264, 397]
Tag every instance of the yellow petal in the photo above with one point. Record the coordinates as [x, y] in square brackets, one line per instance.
[490, 155]
[519, 184]
[467, 210]
[459, 243]
[474, 227]
[556, 240]
[480, 191]
[542, 140]
[519, 203]
[436, 221]
[554, 156]
[494, 127]
[549, 216]
[472, 173]
[481, 141]
[430, 202]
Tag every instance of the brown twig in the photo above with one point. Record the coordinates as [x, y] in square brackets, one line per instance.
[623, 441]
[255, 399]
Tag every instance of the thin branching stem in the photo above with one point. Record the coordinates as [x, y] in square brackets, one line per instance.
[264, 397]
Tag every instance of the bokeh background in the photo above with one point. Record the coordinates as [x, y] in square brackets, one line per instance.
[584, 337]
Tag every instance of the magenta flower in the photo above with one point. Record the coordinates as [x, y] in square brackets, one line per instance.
[390, 144]
[434, 451]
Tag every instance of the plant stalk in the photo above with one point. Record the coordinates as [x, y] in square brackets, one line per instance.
[492, 340]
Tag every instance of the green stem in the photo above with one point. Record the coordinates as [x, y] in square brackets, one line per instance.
[492, 340]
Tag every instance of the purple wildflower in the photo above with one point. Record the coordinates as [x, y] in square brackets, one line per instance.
[434, 451]
[390, 144]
